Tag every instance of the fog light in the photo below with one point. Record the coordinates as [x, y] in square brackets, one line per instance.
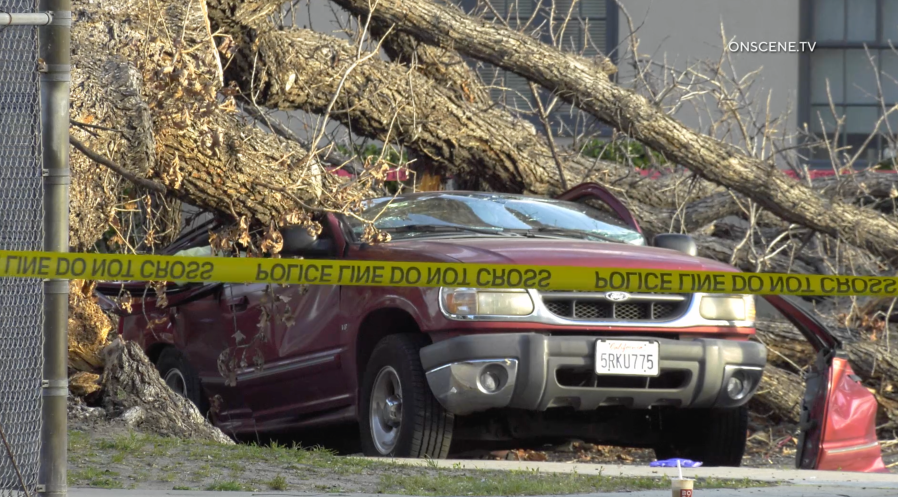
[734, 388]
[489, 381]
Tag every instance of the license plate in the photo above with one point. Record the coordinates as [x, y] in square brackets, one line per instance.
[627, 357]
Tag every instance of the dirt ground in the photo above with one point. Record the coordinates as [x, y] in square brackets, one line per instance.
[769, 445]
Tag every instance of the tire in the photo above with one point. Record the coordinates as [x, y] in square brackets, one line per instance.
[715, 437]
[419, 427]
[180, 376]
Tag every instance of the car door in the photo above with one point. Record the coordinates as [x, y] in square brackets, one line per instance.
[838, 414]
[591, 193]
[202, 334]
[291, 349]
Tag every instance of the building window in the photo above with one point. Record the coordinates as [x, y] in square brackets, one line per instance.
[591, 29]
[851, 54]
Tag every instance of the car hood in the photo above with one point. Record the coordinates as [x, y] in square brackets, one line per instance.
[540, 251]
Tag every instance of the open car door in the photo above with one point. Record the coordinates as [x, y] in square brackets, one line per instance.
[838, 414]
[589, 193]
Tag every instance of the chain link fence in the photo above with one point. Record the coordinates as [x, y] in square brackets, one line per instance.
[21, 228]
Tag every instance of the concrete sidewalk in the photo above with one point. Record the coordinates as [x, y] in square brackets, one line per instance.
[795, 491]
[791, 476]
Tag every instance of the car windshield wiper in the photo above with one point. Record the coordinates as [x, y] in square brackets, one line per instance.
[444, 228]
[582, 234]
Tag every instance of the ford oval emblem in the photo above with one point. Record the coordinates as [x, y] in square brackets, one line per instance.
[617, 296]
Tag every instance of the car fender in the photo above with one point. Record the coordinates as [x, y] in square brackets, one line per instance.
[420, 303]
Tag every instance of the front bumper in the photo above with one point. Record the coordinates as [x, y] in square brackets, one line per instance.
[537, 372]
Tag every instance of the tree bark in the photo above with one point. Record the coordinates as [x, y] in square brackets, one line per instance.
[442, 66]
[134, 392]
[106, 95]
[584, 84]
[786, 347]
[781, 391]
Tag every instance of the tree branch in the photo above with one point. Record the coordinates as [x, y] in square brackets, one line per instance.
[583, 83]
[121, 171]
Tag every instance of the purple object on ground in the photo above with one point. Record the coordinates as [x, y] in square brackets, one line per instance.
[672, 463]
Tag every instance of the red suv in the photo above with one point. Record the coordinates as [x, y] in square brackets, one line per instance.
[420, 367]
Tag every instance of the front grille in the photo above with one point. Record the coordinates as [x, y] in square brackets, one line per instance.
[579, 377]
[596, 306]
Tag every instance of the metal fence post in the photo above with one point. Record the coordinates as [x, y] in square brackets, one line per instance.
[55, 50]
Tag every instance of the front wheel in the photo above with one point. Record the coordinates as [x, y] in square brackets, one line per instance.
[399, 416]
[180, 376]
[715, 437]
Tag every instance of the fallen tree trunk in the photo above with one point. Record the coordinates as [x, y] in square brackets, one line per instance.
[446, 122]
[871, 360]
[872, 184]
[786, 346]
[301, 69]
[583, 83]
[781, 391]
[134, 392]
[442, 66]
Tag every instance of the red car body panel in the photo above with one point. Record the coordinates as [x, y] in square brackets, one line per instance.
[849, 432]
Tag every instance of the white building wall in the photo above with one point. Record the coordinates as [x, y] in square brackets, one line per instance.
[685, 31]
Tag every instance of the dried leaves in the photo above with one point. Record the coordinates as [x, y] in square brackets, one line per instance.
[89, 328]
[370, 234]
[273, 241]
[158, 288]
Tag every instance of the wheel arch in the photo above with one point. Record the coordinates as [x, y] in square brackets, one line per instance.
[378, 324]
[155, 350]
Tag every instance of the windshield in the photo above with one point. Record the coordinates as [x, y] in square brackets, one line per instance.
[479, 214]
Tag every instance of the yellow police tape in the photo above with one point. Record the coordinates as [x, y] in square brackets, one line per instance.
[115, 267]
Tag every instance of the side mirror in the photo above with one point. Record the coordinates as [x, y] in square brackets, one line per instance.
[673, 241]
[298, 241]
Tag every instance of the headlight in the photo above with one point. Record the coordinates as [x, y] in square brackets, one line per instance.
[486, 302]
[728, 307]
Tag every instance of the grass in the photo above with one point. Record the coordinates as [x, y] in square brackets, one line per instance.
[141, 460]
[228, 486]
[95, 478]
[532, 483]
[124, 444]
[277, 483]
